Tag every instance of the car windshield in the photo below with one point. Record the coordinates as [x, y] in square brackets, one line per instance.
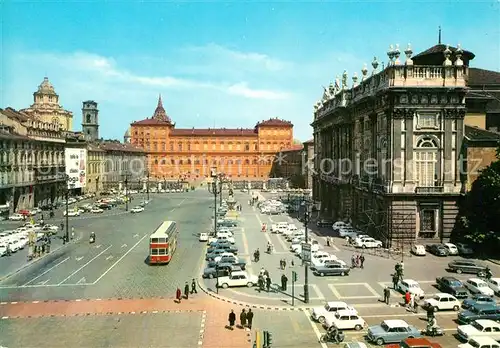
[474, 344]
[482, 285]
[384, 326]
[413, 285]
[477, 326]
[455, 283]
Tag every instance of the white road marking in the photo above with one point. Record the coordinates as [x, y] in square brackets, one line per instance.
[282, 242]
[318, 291]
[98, 246]
[109, 257]
[121, 258]
[314, 327]
[79, 269]
[47, 271]
[83, 280]
[43, 282]
[79, 258]
[245, 245]
[136, 235]
[335, 292]
[124, 245]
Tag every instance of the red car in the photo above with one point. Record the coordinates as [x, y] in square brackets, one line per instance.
[415, 343]
[24, 212]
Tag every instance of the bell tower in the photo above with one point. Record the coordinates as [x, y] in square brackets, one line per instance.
[90, 120]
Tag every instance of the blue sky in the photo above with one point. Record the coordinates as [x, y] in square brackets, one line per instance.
[218, 64]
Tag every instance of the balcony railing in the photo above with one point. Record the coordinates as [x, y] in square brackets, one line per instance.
[429, 189]
[43, 178]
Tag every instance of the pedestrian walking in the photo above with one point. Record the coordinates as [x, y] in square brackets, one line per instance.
[407, 298]
[358, 262]
[415, 303]
[353, 261]
[284, 280]
[395, 280]
[178, 295]
[284, 264]
[327, 241]
[281, 264]
[292, 263]
[193, 287]
[186, 290]
[362, 261]
[243, 318]
[387, 295]
[249, 319]
[268, 284]
[411, 303]
[232, 320]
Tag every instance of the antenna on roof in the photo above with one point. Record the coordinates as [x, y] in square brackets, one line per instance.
[439, 36]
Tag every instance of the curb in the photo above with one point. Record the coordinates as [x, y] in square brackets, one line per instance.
[33, 262]
[88, 300]
[250, 305]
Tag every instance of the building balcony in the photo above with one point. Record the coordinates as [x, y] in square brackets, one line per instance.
[46, 178]
[429, 189]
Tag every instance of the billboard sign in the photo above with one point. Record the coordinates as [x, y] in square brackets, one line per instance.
[76, 167]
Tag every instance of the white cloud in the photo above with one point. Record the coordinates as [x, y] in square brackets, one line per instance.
[242, 89]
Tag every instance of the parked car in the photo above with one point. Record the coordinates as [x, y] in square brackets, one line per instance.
[367, 242]
[476, 300]
[418, 250]
[442, 302]
[239, 278]
[464, 249]
[467, 266]
[437, 249]
[479, 312]
[324, 223]
[223, 270]
[137, 209]
[478, 286]
[346, 319]
[391, 331]
[480, 327]
[97, 211]
[16, 217]
[480, 342]
[320, 314]
[420, 342]
[331, 268]
[203, 237]
[453, 286]
[451, 248]
[412, 286]
[494, 284]
[72, 213]
[226, 247]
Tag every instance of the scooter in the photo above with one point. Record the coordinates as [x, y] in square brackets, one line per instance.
[92, 239]
[338, 337]
[433, 332]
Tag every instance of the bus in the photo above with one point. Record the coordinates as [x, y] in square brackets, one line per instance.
[163, 243]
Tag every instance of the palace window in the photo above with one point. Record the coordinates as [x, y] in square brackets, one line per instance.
[181, 161]
[155, 146]
[427, 220]
[426, 159]
[180, 146]
[172, 161]
[255, 147]
[197, 145]
[163, 146]
[196, 161]
[254, 161]
[269, 146]
[247, 147]
[189, 161]
[89, 119]
[205, 145]
[189, 146]
[230, 146]
[222, 145]
[238, 147]
[230, 162]
[213, 146]
[247, 161]
[427, 120]
[172, 146]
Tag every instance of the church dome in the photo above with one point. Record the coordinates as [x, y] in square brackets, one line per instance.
[46, 87]
[127, 133]
[160, 113]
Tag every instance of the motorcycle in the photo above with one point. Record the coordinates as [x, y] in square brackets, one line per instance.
[92, 238]
[337, 337]
[433, 331]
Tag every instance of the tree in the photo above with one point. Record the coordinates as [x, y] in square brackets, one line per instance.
[480, 209]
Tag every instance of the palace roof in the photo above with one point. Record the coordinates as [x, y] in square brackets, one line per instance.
[295, 147]
[435, 55]
[276, 122]
[151, 122]
[483, 77]
[117, 146]
[14, 114]
[214, 131]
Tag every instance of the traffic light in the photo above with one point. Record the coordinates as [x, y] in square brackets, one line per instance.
[294, 276]
[267, 339]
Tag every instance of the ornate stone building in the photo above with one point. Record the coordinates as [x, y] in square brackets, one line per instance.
[46, 107]
[31, 160]
[388, 145]
[289, 165]
[308, 163]
[122, 161]
[242, 153]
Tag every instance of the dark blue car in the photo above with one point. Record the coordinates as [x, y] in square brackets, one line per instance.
[478, 300]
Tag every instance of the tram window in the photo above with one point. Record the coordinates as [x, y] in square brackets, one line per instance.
[154, 251]
[161, 251]
[166, 251]
[154, 240]
[161, 240]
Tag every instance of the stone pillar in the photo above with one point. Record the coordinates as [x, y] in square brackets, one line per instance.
[144, 186]
[159, 186]
[120, 186]
[410, 175]
[396, 147]
[445, 150]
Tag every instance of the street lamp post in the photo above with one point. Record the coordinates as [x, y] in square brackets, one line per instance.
[220, 190]
[66, 197]
[126, 175]
[147, 185]
[213, 174]
[306, 265]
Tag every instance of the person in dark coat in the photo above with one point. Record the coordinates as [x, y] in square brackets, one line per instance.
[268, 284]
[387, 295]
[284, 280]
[232, 319]
[186, 290]
[193, 287]
[249, 319]
[178, 295]
[362, 261]
[243, 318]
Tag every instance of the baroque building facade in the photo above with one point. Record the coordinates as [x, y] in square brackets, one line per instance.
[46, 107]
[388, 147]
[31, 161]
[188, 154]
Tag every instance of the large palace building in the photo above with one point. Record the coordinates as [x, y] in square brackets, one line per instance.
[189, 154]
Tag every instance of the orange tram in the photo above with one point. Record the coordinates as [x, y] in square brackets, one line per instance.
[163, 243]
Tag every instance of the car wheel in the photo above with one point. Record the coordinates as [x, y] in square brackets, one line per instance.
[321, 320]
[456, 308]
[379, 341]
[342, 274]
[435, 309]
[210, 276]
[321, 274]
[358, 327]
[458, 271]
[249, 284]
[225, 286]
[363, 246]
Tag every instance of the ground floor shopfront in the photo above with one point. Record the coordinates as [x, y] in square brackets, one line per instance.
[15, 198]
[396, 219]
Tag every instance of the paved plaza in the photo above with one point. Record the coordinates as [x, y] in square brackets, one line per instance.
[105, 294]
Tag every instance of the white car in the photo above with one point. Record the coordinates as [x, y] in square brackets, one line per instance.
[452, 248]
[327, 312]
[203, 237]
[345, 319]
[273, 228]
[480, 327]
[348, 232]
[412, 286]
[494, 284]
[315, 263]
[3, 249]
[226, 255]
[72, 213]
[16, 217]
[48, 227]
[340, 224]
[97, 211]
[478, 286]
[367, 243]
[480, 342]
[137, 210]
[298, 240]
[238, 278]
[442, 302]
[418, 249]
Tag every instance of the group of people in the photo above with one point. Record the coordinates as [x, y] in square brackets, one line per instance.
[187, 291]
[358, 261]
[264, 280]
[246, 319]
